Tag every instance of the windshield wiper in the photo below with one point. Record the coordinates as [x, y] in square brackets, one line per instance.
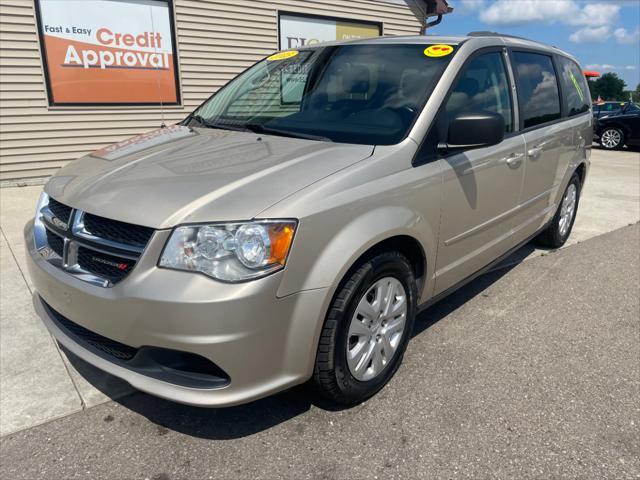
[256, 128]
[260, 128]
[223, 126]
[196, 118]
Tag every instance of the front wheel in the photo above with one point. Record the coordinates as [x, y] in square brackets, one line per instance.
[557, 232]
[612, 139]
[366, 330]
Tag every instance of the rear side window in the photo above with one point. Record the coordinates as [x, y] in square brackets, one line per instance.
[538, 88]
[612, 107]
[483, 86]
[574, 86]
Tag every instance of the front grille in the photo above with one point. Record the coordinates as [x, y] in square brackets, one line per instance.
[111, 267]
[120, 232]
[110, 347]
[56, 243]
[101, 251]
[60, 211]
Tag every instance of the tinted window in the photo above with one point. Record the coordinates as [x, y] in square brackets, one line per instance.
[538, 88]
[574, 87]
[483, 86]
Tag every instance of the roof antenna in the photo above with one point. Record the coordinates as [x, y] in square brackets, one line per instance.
[435, 8]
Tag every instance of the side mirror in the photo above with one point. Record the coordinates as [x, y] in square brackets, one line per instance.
[475, 130]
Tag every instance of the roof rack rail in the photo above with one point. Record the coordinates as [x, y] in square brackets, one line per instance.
[485, 33]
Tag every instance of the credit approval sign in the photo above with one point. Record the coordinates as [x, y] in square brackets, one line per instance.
[105, 52]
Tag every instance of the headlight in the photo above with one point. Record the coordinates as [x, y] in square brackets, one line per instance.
[232, 252]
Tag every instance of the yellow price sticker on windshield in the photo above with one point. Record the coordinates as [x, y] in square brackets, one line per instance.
[283, 55]
[436, 51]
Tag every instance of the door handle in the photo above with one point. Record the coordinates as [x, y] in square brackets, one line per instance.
[534, 153]
[514, 160]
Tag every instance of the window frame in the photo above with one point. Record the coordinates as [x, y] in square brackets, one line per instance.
[418, 159]
[563, 107]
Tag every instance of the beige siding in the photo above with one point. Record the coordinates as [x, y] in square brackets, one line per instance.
[217, 39]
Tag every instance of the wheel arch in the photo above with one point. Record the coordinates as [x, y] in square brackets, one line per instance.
[385, 228]
[405, 244]
[581, 171]
[388, 227]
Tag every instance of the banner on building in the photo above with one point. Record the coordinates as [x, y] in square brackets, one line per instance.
[299, 30]
[105, 52]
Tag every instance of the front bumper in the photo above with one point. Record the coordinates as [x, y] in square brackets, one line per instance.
[264, 343]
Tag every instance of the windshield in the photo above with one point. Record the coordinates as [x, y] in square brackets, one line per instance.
[632, 108]
[367, 94]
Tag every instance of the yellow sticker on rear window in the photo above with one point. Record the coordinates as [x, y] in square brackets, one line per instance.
[283, 55]
[438, 51]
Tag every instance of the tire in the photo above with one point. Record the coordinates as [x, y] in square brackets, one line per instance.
[558, 231]
[612, 138]
[337, 377]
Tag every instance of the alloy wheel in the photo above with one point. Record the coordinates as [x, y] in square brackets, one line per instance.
[610, 138]
[568, 209]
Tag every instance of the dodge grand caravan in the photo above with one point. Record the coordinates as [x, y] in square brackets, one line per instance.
[292, 226]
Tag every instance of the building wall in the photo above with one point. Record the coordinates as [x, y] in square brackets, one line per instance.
[216, 40]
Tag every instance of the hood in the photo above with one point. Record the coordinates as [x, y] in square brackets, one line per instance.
[180, 175]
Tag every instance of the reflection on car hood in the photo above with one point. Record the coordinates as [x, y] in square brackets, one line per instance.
[178, 175]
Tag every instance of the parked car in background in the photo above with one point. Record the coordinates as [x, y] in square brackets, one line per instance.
[617, 124]
[294, 224]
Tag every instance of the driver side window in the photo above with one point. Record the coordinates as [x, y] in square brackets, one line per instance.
[483, 86]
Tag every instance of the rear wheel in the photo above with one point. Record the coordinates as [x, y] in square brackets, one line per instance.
[366, 330]
[558, 231]
[612, 138]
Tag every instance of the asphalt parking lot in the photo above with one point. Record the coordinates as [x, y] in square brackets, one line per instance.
[531, 371]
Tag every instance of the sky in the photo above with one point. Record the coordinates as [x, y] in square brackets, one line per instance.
[603, 35]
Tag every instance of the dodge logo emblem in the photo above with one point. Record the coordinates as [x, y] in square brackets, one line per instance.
[119, 266]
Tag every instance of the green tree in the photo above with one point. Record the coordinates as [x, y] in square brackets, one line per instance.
[608, 87]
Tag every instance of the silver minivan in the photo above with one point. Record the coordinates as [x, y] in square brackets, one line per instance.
[291, 228]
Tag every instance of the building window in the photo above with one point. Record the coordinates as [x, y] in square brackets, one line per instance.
[299, 30]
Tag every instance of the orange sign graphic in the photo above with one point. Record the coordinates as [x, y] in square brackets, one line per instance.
[95, 54]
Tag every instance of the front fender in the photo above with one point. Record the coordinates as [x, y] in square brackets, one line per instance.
[321, 259]
[344, 215]
[331, 261]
